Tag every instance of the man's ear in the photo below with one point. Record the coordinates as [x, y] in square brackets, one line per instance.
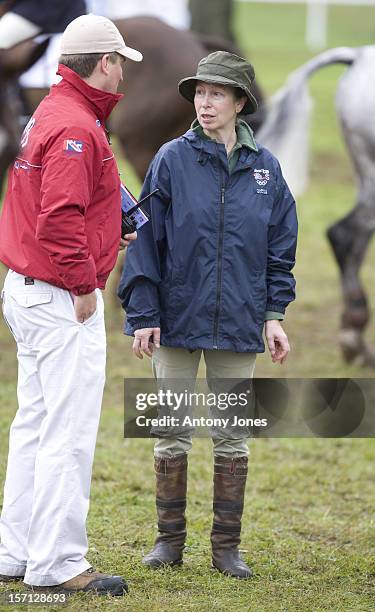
[104, 63]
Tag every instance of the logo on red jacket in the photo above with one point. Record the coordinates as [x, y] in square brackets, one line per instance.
[26, 133]
[261, 176]
[73, 146]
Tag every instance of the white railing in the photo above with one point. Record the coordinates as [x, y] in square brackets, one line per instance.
[316, 17]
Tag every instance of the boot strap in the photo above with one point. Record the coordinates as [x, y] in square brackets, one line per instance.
[170, 466]
[225, 528]
[227, 506]
[171, 526]
[167, 504]
[231, 469]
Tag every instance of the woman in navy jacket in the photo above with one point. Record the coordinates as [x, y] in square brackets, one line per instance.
[207, 273]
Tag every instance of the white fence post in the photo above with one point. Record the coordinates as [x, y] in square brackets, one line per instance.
[316, 25]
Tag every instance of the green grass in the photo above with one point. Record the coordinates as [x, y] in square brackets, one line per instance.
[309, 518]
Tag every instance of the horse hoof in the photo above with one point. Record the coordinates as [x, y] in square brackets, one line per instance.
[355, 350]
[351, 344]
[368, 357]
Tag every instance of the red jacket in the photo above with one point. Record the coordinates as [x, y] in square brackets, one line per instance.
[61, 218]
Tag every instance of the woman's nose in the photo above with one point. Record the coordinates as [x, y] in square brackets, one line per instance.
[206, 100]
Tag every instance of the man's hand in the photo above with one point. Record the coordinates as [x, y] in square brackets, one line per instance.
[124, 242]
[142, 341]
[277, 341]
[84, 306]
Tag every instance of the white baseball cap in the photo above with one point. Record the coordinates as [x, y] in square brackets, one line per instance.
[95, 34]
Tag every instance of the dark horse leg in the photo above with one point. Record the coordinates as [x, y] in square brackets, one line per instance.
[349, 239]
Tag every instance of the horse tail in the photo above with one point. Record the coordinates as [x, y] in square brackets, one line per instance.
[285, 131]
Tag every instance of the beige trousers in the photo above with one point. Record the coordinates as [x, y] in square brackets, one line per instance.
[178, 363]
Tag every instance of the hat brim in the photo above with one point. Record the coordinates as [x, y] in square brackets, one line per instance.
[187, 86]
[130, 53]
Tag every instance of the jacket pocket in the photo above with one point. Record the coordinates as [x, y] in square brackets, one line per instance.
[166, 299]
[168, 290]
[259, 296]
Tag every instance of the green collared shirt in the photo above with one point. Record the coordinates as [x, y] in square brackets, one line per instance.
[245, 138]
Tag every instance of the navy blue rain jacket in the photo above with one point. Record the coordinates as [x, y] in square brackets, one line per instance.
[218, 250]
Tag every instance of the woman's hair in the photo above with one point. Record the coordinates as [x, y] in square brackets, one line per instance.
[239, 95]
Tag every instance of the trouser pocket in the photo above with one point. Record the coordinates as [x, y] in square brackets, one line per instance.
[33, 309]
[4, 315]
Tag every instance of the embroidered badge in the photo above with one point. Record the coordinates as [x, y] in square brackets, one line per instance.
[18, 165]
[261, 176]
[73, 146]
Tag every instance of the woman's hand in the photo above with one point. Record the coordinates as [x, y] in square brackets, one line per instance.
[124, 242]
[277, 341]
[142, 341]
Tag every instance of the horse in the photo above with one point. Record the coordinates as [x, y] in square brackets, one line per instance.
[12, 63]
[284, 132]
[152, 111]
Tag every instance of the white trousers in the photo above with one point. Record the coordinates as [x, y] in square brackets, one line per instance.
[61, 373]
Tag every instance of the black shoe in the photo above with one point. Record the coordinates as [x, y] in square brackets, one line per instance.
[89, 581]
[101, 584]
[5, 578]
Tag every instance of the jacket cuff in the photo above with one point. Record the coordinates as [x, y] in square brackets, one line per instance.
[272, 315]
[271, 306]
[141, 324]
[83, 290]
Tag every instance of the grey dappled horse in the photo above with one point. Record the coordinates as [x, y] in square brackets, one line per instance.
[285, 133]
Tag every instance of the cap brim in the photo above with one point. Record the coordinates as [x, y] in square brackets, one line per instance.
[187, 86]
[130, 53]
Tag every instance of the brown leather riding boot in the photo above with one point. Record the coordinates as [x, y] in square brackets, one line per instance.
[229, 490]
[171, 482]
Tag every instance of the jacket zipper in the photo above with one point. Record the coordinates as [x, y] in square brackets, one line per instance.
[219, 268]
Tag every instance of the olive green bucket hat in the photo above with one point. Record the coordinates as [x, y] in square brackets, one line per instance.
[225, 69]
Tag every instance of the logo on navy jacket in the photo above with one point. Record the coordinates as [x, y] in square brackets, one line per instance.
[262, 176]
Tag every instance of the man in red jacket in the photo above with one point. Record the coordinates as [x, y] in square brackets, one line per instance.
[59, 235]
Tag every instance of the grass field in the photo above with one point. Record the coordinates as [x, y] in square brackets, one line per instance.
[309, 519]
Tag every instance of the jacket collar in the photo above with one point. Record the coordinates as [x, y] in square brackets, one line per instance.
[207, 148]
[245, 135]
[101, 102]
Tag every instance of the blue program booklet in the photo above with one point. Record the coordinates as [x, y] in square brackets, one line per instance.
[128, 202]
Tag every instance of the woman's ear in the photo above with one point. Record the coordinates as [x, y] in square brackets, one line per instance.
[240, 104]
